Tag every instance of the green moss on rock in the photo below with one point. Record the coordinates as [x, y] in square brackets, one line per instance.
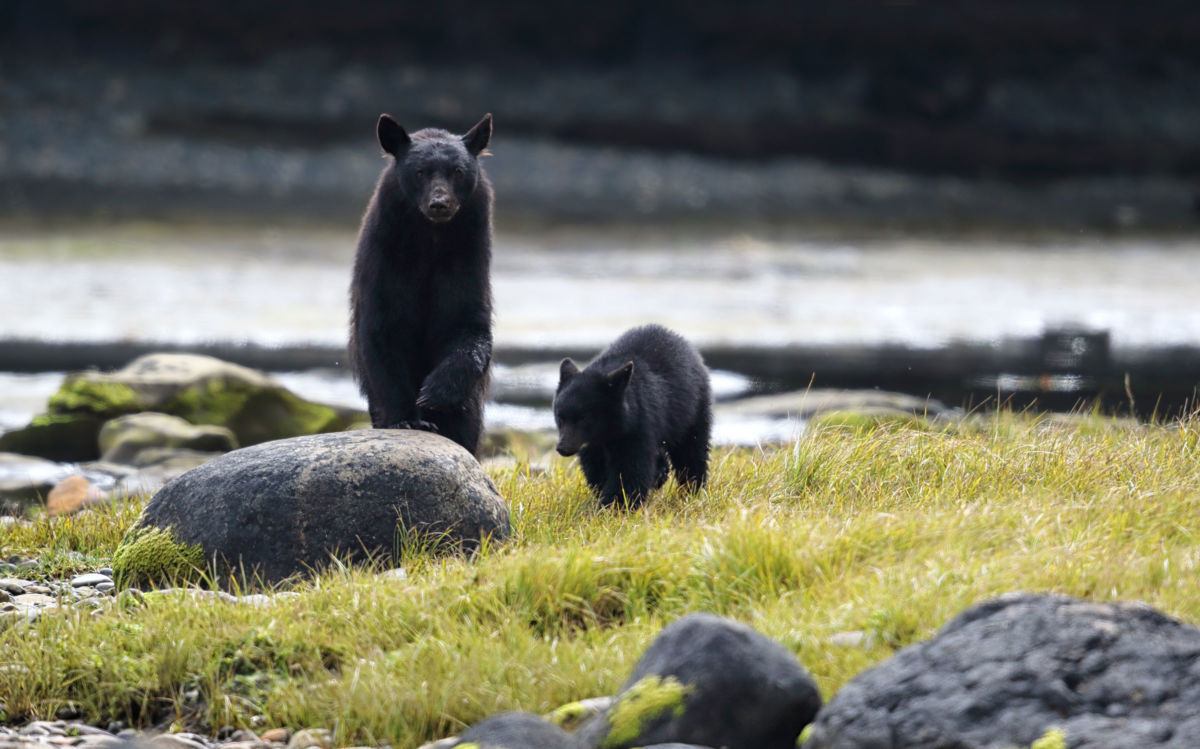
[79, 394]
[254, 413]
[1053, 738]
[569, 716]
[155, 555]
[649, 698]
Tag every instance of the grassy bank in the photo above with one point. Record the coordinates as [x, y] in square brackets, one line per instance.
[888, 529]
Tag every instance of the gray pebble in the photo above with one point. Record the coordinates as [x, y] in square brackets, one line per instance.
[175, 741]
[14, 585]
[105, 587]
[90, 579]
[43, 590]
[106, 571]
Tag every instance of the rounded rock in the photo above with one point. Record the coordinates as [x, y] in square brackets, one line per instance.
[1013, 670]
[709, 681]
[289, 507]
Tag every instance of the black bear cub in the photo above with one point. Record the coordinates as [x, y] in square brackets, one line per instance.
[642, 406]
[420, 297]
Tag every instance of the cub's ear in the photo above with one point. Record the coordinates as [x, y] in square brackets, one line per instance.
[619, 377]
[566, 371]
[391, 136]
[478, 137]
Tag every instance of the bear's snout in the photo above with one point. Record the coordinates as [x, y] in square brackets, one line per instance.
[567, 447]
[440, 210]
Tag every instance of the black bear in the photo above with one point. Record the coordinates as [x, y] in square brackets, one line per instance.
[420, 296]
[644, 401]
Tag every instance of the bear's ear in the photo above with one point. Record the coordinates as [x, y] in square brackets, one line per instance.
[478, 137]
[391, 136]
[619, 377]
[566, 371]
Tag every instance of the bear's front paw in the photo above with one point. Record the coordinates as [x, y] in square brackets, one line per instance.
[419, 424]
[435, 398]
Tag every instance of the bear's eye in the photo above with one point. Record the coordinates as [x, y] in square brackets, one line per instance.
[422, 173]
[458, 171]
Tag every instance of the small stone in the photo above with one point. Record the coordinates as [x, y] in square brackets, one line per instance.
[39, 600]
[66, 712]
[105, 587]
[243, 735]
[276, 734]
[89, 579]
[83, 729]
[28, 564]
[5, 596]
[309, 737]
[43, 590]
[106, 571]
[175, 741]
[14, 585]
[71, 495]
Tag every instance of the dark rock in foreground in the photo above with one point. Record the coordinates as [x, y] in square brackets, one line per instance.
[287, 507]
[709, 681]
[1005, 672]
[515, 731]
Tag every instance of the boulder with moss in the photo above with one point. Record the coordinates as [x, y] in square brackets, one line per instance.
[285, 508]
[122, 439]
[201, 390]
[1029, 670]
[62, 437]
[709, 681]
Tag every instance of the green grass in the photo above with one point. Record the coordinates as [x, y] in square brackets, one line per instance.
[888, 528]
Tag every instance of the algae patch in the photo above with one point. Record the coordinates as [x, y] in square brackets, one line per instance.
[82, 395]
[155, 555]
[648, 699]
[1053, 738]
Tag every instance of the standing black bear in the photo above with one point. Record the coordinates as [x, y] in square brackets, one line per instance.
[421, 297]
[643, 401]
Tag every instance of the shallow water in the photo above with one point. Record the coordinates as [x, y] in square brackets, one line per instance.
[584, 287]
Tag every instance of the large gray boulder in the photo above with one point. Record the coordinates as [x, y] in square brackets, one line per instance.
[1006, 672]
[285, 508]
[709, 681]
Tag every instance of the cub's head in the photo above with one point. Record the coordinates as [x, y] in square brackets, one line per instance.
[436, 169]
[589, 405]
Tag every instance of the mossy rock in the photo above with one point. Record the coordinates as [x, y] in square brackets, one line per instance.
[201, 390]
[709, 681]
[63, 437]
[292, 507]
[156, 556]
[124, 439]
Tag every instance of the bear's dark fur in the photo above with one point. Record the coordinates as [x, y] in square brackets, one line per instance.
[421, 298]
[644, 401]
